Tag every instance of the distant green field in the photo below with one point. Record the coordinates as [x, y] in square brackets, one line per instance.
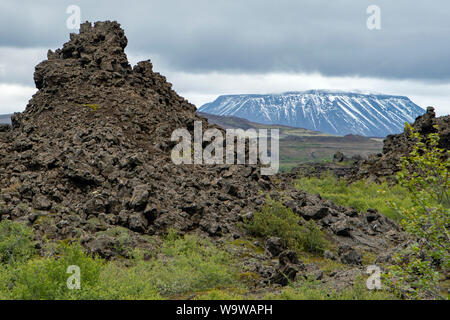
[298, 145]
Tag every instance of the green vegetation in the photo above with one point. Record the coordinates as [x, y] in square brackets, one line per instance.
[360, 195]
[16, 242]
[220, 295]
[313, 239]
[46, 278]
[183, 264]
[191, 264]
[123, 239]
[288, 162]
[313, 290]
[93, 107]
[305, 290]
[275, 220]
[420, 202]
[425, 174]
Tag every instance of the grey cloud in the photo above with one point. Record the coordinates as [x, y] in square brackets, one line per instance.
[256, 36]
[17, 65]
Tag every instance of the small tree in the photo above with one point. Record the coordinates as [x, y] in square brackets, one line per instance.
[425, 174]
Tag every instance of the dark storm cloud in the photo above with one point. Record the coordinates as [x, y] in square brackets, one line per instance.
[252, 36]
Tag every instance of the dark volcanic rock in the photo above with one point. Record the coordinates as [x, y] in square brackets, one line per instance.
[4, 127]
[314, 212]
[274, 246]
[41, 202]
[95, 139]
[338, 157]
[388, 163]
[287, 269]
[92, 153]
[349, 255]
[383, 165]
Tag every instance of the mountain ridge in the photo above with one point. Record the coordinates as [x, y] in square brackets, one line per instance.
[329, 111]
[5, 118]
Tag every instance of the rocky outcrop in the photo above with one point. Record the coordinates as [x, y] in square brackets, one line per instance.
[386, 164]
[341, 166]
[89, 159]
[95, 141]
[382, 166]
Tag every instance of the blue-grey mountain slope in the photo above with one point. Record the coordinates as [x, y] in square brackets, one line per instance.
[5, 118]
[341, 113]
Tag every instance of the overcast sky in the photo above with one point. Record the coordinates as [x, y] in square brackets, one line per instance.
[212, 47]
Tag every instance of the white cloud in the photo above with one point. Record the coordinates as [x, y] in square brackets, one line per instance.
[204, 87]
[17, 64]
[14, 97]
[200, 88]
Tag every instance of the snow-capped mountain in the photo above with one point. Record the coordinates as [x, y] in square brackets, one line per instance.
[341, 113]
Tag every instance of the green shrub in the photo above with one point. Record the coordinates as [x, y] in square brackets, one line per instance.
[5, 282]
[313, 240]
[117, 282]
[275, 220]
[47, 278]
[16, 242]
[425, 173]
[190, 263]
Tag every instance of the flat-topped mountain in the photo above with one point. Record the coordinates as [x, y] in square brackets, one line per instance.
[334, 112]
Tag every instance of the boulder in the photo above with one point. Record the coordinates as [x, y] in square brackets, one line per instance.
[314, 212]
[41, 202]
[349, 255]
[140, 196]
[287, 269]
[274, 246]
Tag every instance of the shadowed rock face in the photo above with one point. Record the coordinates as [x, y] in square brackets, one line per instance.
[92, 151]
[94, 142]
[400, 145]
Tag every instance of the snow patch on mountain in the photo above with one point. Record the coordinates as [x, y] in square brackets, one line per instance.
[335, 112]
